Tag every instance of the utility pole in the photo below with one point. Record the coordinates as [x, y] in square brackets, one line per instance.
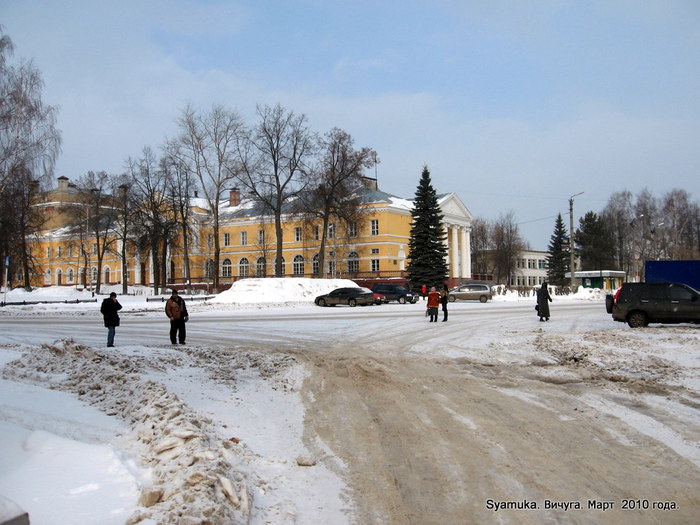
[572, 264]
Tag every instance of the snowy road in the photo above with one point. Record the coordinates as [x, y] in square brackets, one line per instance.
[491, 417]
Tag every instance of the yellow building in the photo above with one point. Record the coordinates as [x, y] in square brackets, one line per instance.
[375, 246]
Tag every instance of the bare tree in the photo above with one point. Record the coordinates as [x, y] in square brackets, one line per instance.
[274, 161]
[481, 244]
[508, 244]
[29, 147]
[618, 214]
[182, 183]
[154, 212]
[333, 186]
[208, 149]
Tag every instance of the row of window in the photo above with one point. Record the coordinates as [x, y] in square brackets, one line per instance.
[244, 268]
[530, 280]
[532, 264]
[298, 266]
[299, 233]
[70, 252]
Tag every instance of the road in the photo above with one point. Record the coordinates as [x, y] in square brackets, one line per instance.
[454, 422]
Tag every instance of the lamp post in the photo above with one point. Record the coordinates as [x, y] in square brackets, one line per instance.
[572, 263]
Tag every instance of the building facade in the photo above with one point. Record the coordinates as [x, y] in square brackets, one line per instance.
[374, 246]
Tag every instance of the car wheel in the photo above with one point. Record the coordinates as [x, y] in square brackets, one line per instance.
[483, 299]
[402, 300]
[321, 302]
[352, 302]
[451, 298]
[637, 320]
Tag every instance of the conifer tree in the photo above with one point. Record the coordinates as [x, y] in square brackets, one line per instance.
[427, 250]
[558, 258]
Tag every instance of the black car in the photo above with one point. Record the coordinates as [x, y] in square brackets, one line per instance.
[639, 304]
[352, 296]
[395, 292]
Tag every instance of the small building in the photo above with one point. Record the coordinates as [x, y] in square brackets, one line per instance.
[603, 279]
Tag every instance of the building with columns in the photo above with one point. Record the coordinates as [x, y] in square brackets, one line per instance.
[375, 247]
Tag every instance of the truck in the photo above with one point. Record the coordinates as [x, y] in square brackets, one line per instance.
[685, 272]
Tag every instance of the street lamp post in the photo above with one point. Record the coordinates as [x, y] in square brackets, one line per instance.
[572, 261]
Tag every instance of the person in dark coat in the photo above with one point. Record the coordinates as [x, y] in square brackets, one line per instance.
[109, 309]
[444, 297]
[176, 311]
[543, 300]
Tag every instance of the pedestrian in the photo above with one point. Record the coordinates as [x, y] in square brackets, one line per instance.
[423, 291]
[543, 300]
[433, 303]
[109, 309]
[444, 297]
[176, 311]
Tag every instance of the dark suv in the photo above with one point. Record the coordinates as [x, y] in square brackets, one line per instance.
[395, 292]
[639, 304]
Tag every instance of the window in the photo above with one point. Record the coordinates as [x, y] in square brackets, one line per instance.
[227, 239]
[298, 265]
[317, 233]
[260, 266]
[542, 264]
[226, 268]
[353, 262]
[94, 249]
[297, 234]
[331, 231]
[375, 251]
[374, 227]
[521, 263]
[314, 265]
[93, 274]
[244, 238]
[59, 251]
[47, 277]
[48, 252]
[210, 241]
[352, 229]
[243, 267]
[71, 275]
[208, 269]
[261, 236]
[374, 265]
[70, 251]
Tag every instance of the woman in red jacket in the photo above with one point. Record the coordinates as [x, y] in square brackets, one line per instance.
[433, 304]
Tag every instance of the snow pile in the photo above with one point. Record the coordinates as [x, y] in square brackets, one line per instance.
[287, 290]
[193, 480]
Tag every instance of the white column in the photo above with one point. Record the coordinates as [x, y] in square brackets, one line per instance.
[454, 260]
[466, 253]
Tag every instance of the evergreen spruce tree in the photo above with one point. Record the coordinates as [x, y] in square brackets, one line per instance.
[427, 251]
[595, 243]
[558, 260]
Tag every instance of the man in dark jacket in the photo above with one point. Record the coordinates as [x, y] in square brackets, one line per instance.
[109, 309]
[176, 311]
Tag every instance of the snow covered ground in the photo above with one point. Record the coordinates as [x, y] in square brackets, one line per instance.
[151, 433]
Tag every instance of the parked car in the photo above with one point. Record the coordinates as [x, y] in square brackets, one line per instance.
[352, 296]
[379, 298]
[639, 304]
[466, 292]
[395, 292]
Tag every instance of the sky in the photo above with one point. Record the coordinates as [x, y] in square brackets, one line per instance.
[514, 105]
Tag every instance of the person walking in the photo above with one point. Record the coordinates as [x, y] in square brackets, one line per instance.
[109, 309]
[444, 297]
[433, 304]
[543, 300]
[176, 311]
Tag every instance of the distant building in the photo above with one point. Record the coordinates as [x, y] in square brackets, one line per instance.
[531, 269]
[374, 247]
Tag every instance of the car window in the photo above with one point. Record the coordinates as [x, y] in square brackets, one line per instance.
[366, 290]
[680, 293]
